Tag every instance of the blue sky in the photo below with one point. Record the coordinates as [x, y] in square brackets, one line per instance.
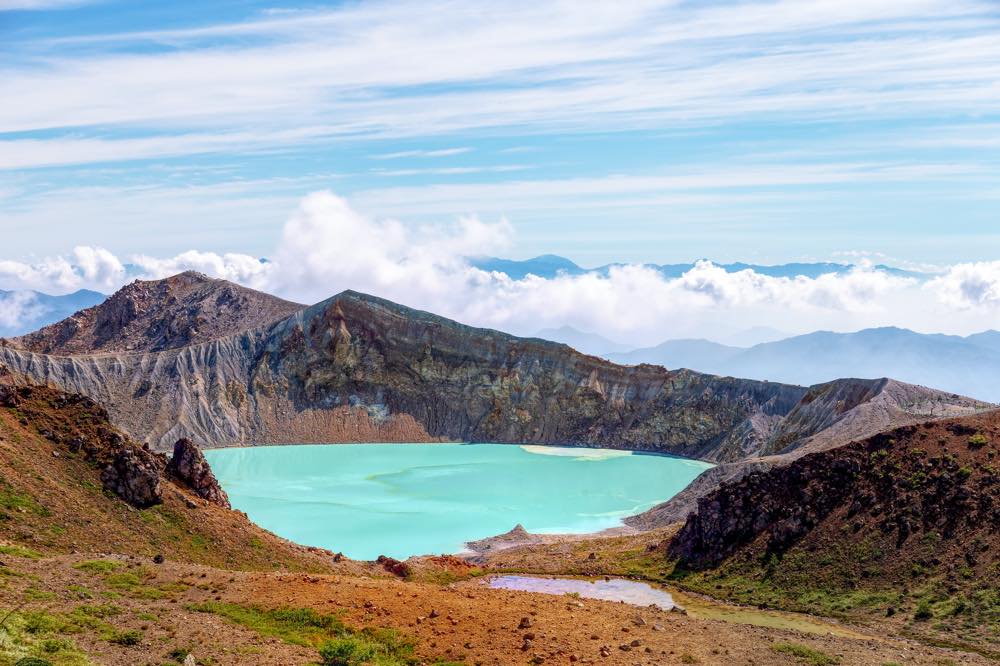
[636, 131]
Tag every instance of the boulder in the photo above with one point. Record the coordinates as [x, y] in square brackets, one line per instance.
[134, 475]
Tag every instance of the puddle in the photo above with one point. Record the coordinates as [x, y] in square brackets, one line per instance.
[643, 594]
[616, 589]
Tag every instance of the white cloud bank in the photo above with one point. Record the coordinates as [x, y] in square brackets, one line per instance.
[327, 246]
[18, 307]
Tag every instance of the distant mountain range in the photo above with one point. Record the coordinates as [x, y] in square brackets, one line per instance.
[551, 265]
[964, 365]
[588, 343]
[24, 310]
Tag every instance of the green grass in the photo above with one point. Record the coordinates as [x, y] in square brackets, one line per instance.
[34, 594]
[122, 581]
[19, 551]
[13, 502]
[298, 626]
[805, 654]
[127, 638]
[98, 566]
[374, 648]
[337, 644]
[38, 635]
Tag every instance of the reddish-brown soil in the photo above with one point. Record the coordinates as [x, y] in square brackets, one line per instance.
[56, 516]
[471, 623]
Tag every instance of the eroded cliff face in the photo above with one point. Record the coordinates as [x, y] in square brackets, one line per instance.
[358, 368]
[479, 385]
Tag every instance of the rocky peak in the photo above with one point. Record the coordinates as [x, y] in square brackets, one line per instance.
[149, 316]
[188, 466]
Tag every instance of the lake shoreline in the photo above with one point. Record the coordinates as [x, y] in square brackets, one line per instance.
[442, 441]
[402, 499]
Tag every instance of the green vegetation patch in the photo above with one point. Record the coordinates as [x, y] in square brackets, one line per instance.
[337, 644]
[978, 440]
[13, 502]
[98, 566]
[19, 551]
[298, 626]
[127, 638]
[33, 637]
[805, 654]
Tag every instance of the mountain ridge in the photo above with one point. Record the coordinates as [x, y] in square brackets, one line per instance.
[356, 366]
[553, 265]
[960, 365]
[902, 522]
[155, 315]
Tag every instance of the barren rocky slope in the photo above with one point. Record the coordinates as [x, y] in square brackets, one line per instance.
[358, 368]
[148, 316]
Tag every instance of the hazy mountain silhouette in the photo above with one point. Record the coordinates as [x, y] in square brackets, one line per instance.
[968, 366]
[25, 310]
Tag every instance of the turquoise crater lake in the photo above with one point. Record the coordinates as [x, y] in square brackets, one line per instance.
[400, 500]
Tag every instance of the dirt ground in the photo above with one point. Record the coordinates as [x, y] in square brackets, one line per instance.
[463, 621]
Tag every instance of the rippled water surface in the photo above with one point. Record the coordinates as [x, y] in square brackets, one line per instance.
[399, 500]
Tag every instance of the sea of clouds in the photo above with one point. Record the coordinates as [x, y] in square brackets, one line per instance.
[326, 247]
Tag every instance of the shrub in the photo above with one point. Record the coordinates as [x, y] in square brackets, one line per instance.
[805, 654]
[923, 611]
[32, 661]
[127, 638]
[978, 441]
[346, 652]
[98, 566]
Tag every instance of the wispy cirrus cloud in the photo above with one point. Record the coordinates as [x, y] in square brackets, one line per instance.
[841, 105]
[38, 5]
[442, 152]
[367, 69]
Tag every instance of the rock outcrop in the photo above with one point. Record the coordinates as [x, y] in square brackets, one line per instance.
[188, 466]
[129, 470]
[134, 475]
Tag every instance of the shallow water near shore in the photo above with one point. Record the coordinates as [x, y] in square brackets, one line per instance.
[399, 500]
[613, 589]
